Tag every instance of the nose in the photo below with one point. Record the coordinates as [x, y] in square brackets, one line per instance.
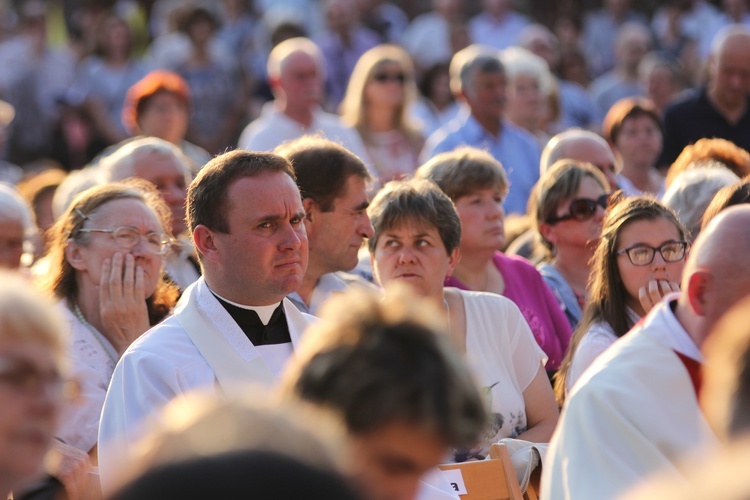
[497, 211]
[658, 262]
[406, 255]
[365, 228]
[292, 237]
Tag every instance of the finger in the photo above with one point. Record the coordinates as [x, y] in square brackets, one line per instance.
[115, 277]
[104, 291]
[653, 291]
[675, 286]
[666, 289]
[644, 298]
[128, 276]
[139, 287]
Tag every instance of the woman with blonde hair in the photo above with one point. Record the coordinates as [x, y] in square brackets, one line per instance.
[106, 268]
[376, 103]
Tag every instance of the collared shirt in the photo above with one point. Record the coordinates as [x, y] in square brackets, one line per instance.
[327, 285]
[693, 118]
[498, 33]
[515, 148]
[665, 327]
[274, 127]
[428, 40]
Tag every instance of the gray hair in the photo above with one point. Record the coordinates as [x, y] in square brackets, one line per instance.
[519, 61]
[724, 34]
[692, 191]
[121, 164]
[14, 208]
[471, 60]
[281, 54]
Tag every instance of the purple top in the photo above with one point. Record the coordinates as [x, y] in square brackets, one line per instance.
[526, 287]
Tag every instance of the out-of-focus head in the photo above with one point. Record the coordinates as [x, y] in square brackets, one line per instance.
[729, 66]
[539, 40]
[39, 191]
[202, 425]
[125, 217]
[387, 366]
[16, 227]
[333, 183]
[728, 196]
[160, 163]
[158, 105]
[584, 146]
[568, 204]
[632, 43]
[32, 357]
[340, 15]
[382, 77]
[112, 36]
[296, 72]
[661, 78]
[633, 127]
[199, 24]
[530, 84]
[477, 185]
[715, 278]
[723, 151]
[478, 77]
[692, 191]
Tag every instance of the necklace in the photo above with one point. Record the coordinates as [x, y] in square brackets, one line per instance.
[96, 333]
[447, 314]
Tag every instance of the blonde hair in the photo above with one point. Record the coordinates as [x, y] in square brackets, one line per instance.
[354, 107]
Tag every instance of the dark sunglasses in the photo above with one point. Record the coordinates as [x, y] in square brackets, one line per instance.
[389, 77]
[582, 209]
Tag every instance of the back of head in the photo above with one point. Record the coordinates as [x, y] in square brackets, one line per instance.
[463, 171]
[125, 161]
[382, 361]
[574, 144]
[732, 156]
[692, 191]
[322, 168]
[207, 201]
[468, 62]
[728, 196]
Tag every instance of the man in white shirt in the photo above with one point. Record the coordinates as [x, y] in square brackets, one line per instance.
[635, 411]
[498, 25]
[333, 183]
[296, 76]
[233, 326]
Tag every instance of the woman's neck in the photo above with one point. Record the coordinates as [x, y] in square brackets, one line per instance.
[380, 118]
[573, 264]
[472, 269]
[638, 175]
[88, 302]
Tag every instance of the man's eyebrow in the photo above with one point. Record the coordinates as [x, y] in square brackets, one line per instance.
[362, 206]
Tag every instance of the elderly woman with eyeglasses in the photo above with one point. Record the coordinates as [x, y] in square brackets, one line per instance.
[107, 257]
[568, 205]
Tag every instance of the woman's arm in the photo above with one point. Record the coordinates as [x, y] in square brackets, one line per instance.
[541, 409]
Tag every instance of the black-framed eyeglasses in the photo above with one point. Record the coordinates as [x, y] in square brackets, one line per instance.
[582, 209]
[389, 77]
[643, 255]
[127, 238]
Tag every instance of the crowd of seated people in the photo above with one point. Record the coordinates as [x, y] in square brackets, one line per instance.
[351, 242]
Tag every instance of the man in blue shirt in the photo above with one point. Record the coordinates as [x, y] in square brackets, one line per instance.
[478, 80]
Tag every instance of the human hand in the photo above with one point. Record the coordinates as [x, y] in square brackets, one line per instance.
[71, 467]
[122, 301]
[652, 292]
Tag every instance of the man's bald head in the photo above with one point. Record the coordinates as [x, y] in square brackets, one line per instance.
[717, 273]
[581, 145]
[729, 67]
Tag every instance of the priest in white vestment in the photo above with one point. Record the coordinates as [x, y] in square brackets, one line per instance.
[634, 412]
[232, 327]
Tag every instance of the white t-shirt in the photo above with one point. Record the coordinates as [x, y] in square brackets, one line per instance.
[505, 358]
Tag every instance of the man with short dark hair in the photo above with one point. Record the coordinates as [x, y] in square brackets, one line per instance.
[333, 183]
[478, 79]
[722, 108]
[389, 370]
[233, 326]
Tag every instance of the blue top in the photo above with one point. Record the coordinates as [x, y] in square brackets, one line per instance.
[563, 292]
[515, 148]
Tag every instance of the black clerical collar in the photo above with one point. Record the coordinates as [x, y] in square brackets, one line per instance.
[276, 331]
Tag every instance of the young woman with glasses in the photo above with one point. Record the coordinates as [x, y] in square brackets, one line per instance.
[107, 257]
[380, 92]
[639, 259]
[568, 206]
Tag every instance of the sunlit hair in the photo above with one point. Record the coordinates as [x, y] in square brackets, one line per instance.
[61, 278]
[121, 164]
[379, 360]
[558, 184]
[732, 156]
[463, 171]
[417, 202]
[13, 207]
[607, 292]
[626, 109]
[280, 55]
[735, 194]
[140, 94]
[519, 61]
[466, 63]
[355, 108]
[27, 316]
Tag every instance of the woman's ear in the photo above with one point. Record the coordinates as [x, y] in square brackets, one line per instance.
[548, 232]
[74, 255]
